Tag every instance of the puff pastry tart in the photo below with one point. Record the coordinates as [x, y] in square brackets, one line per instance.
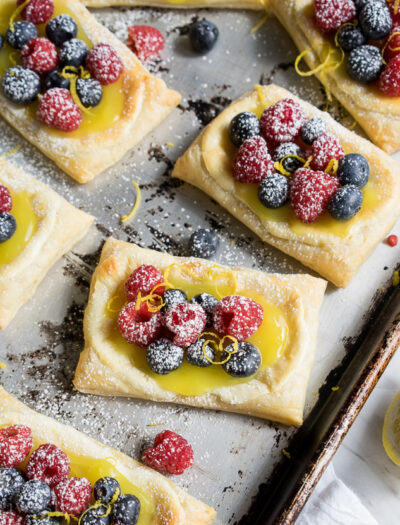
[69, 86]
[37, 227]
[188, 331]
[231, 4]
[306, 203]
[80, 478]
[353, 52]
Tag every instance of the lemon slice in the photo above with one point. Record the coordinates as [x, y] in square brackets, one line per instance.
[391, 430]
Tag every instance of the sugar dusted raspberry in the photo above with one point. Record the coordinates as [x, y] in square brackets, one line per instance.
[392, 43]
[393, 6]
[237, 316]
[325, 148]
[15, 445]
[144, 279]
[49, 464]
[37, 11]
[186, 321]
[11, 518]
[171, 453]
[72, 495]
[145, 41]
[5, 199]
[310, 193]
[139, 327]
[389, 81]
[104, 64]
[57, 109]
[282, 122]
[40, 55]
[331, 14]
[253, 161]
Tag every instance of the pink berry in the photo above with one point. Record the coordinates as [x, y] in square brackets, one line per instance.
[49, 464]
[237, 316]
[171, 453]
[145, 41]
[40, 55]
[72, 495]
[5, 199]
[331, 14]
[325, 148]
[37, 11]
[282, 122]
[253, 161]
[15, 445]
[186, 321]
[144, 279]
[139, 327]
[389, 81]
[11, 518]
[104, 64]
[57, 109]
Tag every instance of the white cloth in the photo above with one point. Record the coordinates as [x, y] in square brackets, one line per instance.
[333, 503]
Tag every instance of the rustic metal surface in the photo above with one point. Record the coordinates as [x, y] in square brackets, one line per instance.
[234, 454]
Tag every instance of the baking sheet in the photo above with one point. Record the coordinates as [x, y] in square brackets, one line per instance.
[233, 454]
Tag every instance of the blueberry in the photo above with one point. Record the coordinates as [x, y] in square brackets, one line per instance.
[208, 302]
[312, 129]
[42, 519]
[204, 243]
[353, 169]
[375, 20]
[105, 489]
[126, 510]
[61, 28]
[8, 225]
[346, 202]
[365, 63]
[73, 53]
[11, 480]
[21, 34]
[95, 516]
[164, 357]
[172, 297]
[361, 3]
[273, 191]
[350, 37]
[33, 497]
[244, 363]
[288, 148]
[244, 126]
[195, 354]
[89, 92]
[203, 35]
[21, 85]
[55, 80]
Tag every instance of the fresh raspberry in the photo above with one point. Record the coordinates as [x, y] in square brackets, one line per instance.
[37, 11]
[57, 109]
[331, 14]
[171, 453]
[237, 316]
[145, 41]
[72, 495]
[11, 518]
[40, 55]
[282, 122]
[389, 81]
[392, 43]
[325, 148]
[186, 321]
[144, 279]
[5, 199]
[310, 193]
[104, 64]
[252, 162]
[49, 464]
[139, 327]
[392, 6]
[392, 240]
[15, 445]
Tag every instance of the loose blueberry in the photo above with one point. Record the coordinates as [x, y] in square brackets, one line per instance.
[126, 510]
[21, 85]
[42, 519]
[288, 148]
[204, 243]
[105, 489]
[33, 497]
[163, 357]
[244, 363]
[353, 169]
[208, 302]
[73, 53]
[346, 202]
[95, 516]
[172, 297]
[375, 20]
[10, 482]
[195, 354]
[244, 126]
[365, 63]
[61, 28]
[273, 191]
[203, 36]
[312, 129]
[350, 37]
[89, 92]
[55, 80]
[8, 225]
[21, 34]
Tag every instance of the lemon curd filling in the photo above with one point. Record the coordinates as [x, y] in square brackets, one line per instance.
[100, 118]
[271, 339]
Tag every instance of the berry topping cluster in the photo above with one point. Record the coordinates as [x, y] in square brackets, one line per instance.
[44, 490]
[8, 224]
[295, 159]
[167, 324]
[59, 68]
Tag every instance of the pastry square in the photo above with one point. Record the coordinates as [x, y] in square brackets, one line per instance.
[162, 502]
[376, 113]
[181, 4]
[131, 107]
[110, 366]
[47, 227]
[334, 249]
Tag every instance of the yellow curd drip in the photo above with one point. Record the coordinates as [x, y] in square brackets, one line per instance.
[271, 339]
[26, 225]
